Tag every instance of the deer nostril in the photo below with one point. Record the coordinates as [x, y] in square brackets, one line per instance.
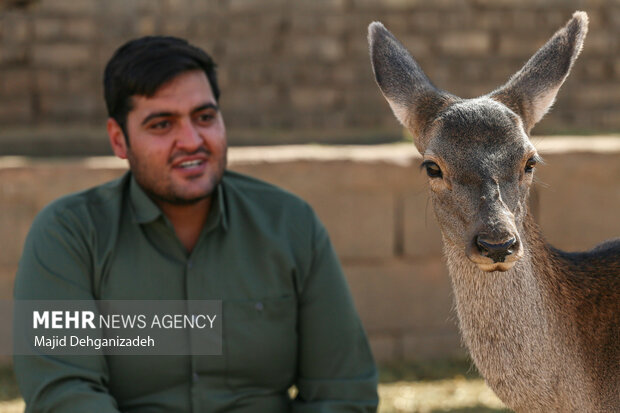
[496, 251]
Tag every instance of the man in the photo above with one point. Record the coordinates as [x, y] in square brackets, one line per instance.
[178, 226]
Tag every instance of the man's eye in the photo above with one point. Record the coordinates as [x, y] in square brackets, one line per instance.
[160, 125]
[432, 169]
[206, 117]
[529, 165]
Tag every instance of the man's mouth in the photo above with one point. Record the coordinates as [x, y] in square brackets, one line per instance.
[190, 164]
[191, 168]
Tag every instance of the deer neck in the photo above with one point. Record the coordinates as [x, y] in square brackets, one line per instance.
[496, 308]
[505, 318]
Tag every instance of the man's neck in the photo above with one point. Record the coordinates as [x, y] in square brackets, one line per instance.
[187, 220]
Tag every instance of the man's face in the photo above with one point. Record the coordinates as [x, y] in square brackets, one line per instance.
[177, 140]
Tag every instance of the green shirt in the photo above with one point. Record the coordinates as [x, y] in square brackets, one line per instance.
[288, 315]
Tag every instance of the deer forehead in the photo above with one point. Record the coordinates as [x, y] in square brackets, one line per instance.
[480, 137]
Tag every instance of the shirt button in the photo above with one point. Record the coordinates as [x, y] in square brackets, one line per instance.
[195, 377]
[190, 264]
[259, 306]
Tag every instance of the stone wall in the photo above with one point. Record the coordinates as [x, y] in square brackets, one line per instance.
[373, 201]
[291, 70]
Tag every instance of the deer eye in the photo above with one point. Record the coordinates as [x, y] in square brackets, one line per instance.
[432, 169]
[529, 165]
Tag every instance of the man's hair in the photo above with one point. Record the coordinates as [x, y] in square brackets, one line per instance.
[141, 66]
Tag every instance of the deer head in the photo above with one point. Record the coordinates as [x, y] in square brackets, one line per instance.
[477, 152]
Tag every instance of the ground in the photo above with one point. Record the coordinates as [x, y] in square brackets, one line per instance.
[446, 386]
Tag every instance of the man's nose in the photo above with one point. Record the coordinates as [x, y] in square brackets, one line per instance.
[189, 136]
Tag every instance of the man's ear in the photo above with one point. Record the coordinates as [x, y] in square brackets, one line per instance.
[117, 138]
[411, 95]
[531, 91]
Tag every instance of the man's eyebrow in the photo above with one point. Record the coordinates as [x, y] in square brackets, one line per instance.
[206, 106]
[166, 114]
[156, 115]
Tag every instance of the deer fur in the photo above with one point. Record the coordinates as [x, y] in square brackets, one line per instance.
[542, 325]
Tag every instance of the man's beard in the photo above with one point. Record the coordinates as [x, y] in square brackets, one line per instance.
[168, 194]
[176, 200]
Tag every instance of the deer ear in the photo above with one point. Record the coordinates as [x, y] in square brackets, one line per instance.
[531, 91]
[412, 97]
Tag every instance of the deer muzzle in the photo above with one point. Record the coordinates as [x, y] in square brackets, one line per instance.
[494, 254]
[495, 251]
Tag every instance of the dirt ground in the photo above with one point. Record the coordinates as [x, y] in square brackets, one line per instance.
[447, 386]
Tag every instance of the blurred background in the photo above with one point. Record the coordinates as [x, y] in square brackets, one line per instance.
[291, 71]
[297, 73]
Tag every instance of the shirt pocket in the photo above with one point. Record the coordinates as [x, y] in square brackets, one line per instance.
[260, 342]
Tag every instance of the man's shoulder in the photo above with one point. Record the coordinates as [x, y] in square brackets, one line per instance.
[101, 199]
[256, 190]
[276, 207]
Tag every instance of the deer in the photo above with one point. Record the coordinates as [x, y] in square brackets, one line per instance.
[541, 325]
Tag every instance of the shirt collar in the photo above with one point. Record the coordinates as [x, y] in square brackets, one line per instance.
[145, 210]
[217, 213]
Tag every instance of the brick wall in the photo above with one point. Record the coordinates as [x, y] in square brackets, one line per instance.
[291, 70]
[373, 201]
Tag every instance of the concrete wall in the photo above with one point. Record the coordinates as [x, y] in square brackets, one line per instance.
[373, 201]
[291, 70]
